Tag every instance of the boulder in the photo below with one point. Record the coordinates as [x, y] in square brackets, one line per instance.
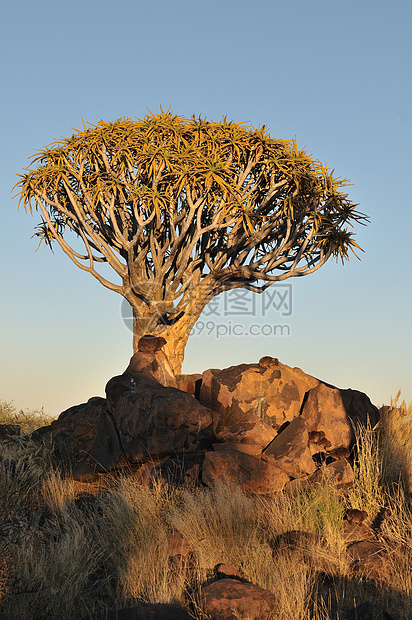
[338, 474]
[335, 412]
[189, 383]
[155, 421]
[252, 431]
[229, 599]
[290, 450]
[77, 428]
[252, 474]
[273, 393]
[152, 364]
[248, 448]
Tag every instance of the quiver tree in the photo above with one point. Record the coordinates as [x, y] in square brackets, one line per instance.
[184, 209]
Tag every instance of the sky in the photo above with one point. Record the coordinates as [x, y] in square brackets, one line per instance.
[337, 75]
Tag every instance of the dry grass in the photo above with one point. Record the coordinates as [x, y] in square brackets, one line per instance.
[65, 556]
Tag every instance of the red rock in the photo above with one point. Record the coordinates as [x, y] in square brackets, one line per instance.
[150, 344]
[229, 599]
[324, 411]
[334, 412]
[248, 448]
[251, 474]
[189, 383]
[252, 431]
[290, 450]
[154, 365]
[338, 474]
[274, 394]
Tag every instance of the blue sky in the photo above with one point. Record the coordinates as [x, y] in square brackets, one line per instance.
[335, 74]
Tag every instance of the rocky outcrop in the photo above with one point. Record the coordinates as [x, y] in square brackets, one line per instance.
[264, 426]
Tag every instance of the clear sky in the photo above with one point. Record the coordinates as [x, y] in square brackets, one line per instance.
[335, 74]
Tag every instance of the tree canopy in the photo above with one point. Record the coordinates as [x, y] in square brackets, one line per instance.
[184, 209]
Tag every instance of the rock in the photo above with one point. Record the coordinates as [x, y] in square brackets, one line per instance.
[338, 474]
[152, 364]
[251, 474]
[334, 412]
[189, 383]
[274, 394]
[268, 362]
[76, 428]
[290, 451]
[359, 408]
[150, 344]
[229, 599]
[178, 471]
[155, 421]
[324, 411]
[252, 431]
[248, 448]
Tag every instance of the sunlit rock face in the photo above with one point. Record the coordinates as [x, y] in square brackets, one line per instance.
[264, 426]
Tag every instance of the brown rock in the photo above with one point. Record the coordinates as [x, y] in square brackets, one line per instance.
[229, 599]
[251, 474]
[335, 411]
[290, 451]
[155, 365]
[78, 428]
[311, 547]
[339, 474]
[324, 410]
[251, 431]
[274, 394]
[248, 448]
[155, 421]
[150, 344]
[189, 383]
